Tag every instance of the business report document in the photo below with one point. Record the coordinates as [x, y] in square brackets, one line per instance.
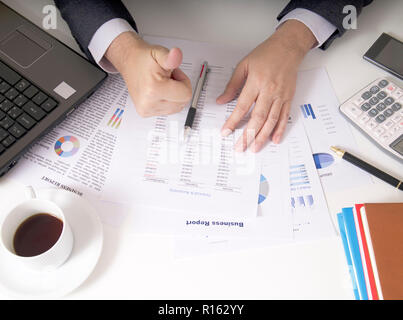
[200, 176]
[283, 212]
[105, 151]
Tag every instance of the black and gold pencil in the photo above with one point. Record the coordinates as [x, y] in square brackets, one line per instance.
[368, 168]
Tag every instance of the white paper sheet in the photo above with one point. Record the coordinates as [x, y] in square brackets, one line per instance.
[316, 104]
[154, 210]
[201, 177]
[78, 154]
[310, 215]
[273, 217]
[311, 218]
[271, 220]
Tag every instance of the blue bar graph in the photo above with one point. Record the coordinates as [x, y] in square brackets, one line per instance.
[298, 175]
[307, 111]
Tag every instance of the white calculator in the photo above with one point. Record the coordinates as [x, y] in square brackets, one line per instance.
[377, 110]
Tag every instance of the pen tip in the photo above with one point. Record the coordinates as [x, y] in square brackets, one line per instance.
[338, 151]
[186, 133]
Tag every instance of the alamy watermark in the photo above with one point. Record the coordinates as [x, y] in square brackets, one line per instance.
[205, 147]
[350, 20]
[49, 21]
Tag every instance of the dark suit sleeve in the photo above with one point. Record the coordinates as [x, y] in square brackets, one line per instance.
[84, 17]
[331, 10]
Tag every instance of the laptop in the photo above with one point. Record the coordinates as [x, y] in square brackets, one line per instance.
[41, 82]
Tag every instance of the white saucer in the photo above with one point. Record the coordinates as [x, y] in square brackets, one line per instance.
[88, 239]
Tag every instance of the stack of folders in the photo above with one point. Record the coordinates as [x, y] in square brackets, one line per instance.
[372, 235]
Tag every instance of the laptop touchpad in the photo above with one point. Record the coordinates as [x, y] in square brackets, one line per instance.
[23, 46]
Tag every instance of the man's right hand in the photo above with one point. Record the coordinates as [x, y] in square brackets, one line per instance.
[152, 75]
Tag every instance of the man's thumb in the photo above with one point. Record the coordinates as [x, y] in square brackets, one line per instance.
[169, 60]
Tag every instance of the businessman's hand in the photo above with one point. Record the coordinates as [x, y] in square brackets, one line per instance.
[268, 76]
[152, 75]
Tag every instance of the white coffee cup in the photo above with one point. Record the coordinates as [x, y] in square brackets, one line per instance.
[53, 257]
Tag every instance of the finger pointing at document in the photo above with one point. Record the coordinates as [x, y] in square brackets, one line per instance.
[268, 75]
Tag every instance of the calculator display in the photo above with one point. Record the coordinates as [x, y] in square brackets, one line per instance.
[398, 146]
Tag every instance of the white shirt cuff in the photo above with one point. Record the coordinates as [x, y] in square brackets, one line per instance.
[320, 27]
[102, 39]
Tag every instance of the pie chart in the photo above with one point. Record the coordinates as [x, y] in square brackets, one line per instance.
[67, 146]
[323, 160]
[263, 189]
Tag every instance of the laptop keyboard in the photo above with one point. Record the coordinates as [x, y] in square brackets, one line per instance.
[22, 106]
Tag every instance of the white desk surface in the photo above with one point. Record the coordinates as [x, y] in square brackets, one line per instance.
[134, 266]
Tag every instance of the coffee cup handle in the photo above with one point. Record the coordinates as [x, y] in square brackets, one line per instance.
[31, 192]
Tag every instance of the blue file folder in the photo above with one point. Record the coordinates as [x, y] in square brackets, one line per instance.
[354, 250]
[343, 236]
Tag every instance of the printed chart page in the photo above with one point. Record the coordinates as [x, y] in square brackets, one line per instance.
[316, 104]
[271, 220]
[77, 155]
[296, 179]
[201, 176]
[293, 210]
[310, 215]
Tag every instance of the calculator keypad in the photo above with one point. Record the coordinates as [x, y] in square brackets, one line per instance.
[378, 110]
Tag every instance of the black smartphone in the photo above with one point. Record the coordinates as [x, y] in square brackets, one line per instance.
[387, 53]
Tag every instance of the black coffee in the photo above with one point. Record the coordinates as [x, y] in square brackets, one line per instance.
[37, 234]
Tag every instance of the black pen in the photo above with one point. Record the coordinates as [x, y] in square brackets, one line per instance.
[368, 168]
[196, 95]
